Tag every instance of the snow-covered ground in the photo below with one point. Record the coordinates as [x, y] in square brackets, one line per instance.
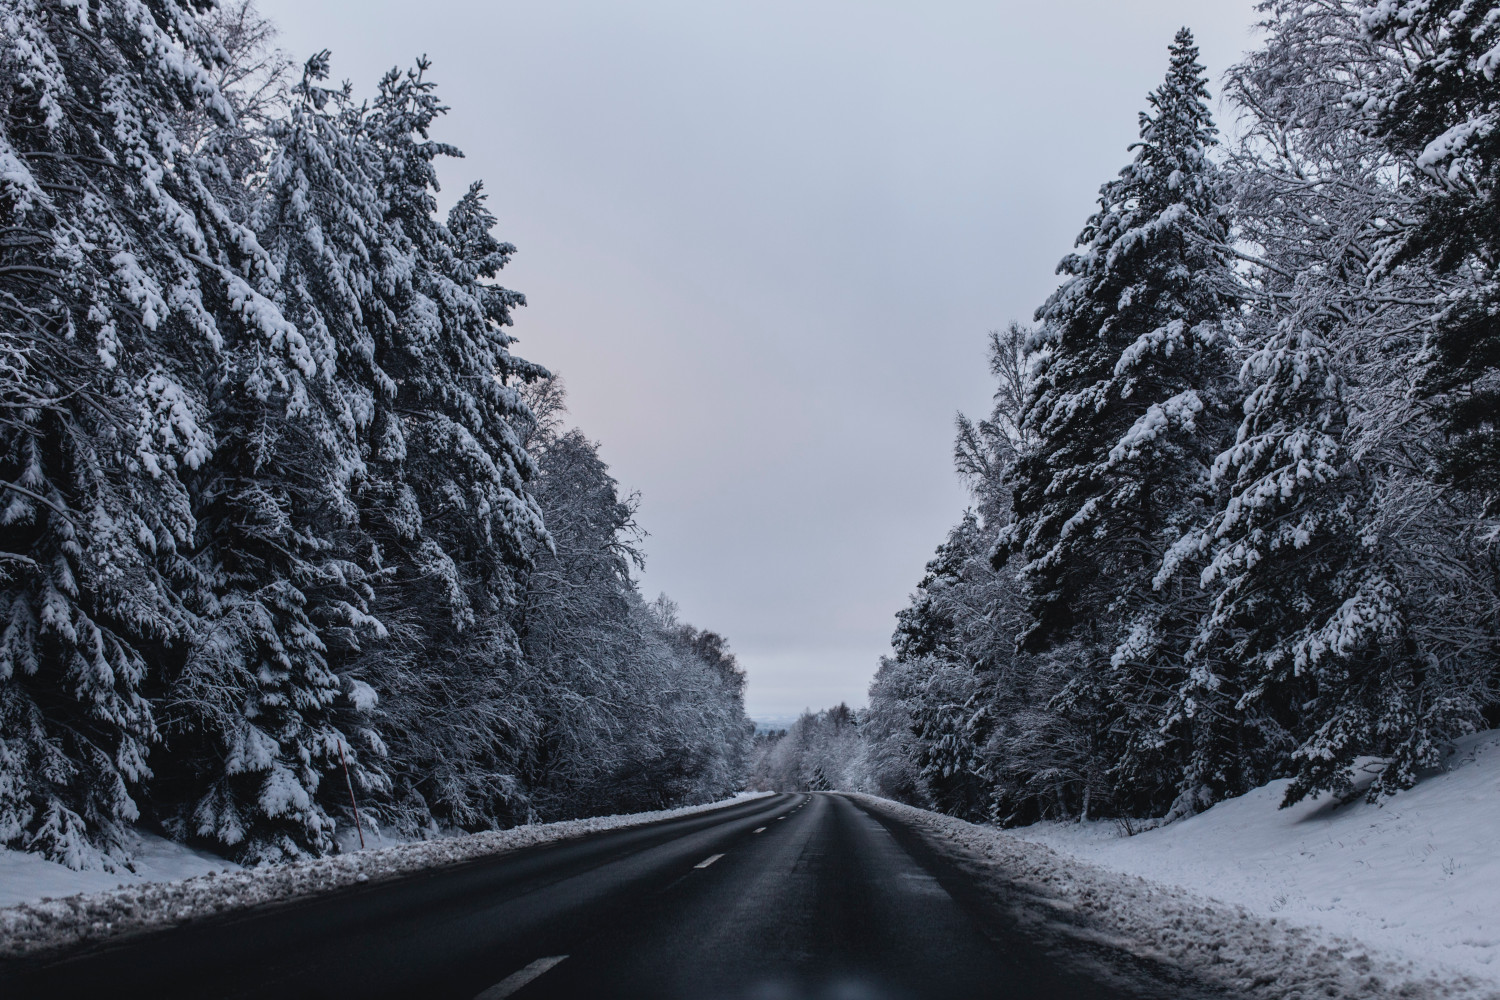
[26, 878]
[1362, 901]
[49, 906]
[1416, 874]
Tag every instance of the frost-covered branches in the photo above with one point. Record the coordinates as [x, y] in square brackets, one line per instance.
[1251, 533]
[116, 261]
[639, 709]
[271, 497]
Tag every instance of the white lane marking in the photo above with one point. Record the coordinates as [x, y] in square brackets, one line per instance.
[708, 861]
[513, 982]
[761, 830]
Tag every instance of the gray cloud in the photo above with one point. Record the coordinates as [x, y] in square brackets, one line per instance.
[763, 241]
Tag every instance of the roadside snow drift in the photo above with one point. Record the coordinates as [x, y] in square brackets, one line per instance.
[27, 877]
[60, 923]
[1415, 875]
[1252, 955]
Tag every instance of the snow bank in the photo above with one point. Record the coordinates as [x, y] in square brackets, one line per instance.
[1257, 956]
[1417, 874]
[26, 877]
[49, 924]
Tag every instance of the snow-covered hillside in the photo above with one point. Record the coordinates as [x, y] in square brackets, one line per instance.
[1417, 874]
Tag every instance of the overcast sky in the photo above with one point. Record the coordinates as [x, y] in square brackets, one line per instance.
[762, 241]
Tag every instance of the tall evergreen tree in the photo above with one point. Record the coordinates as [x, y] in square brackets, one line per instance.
[1443, 115]
[1126, 405]
[446, 498]
[122, 278]
[1313, 654]
[254, 706]
[1129, 347]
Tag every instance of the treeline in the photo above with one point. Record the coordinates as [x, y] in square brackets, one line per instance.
[819, 752]
[278, 498]
[1237, 505]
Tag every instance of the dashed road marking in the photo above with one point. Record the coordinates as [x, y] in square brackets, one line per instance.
[513, 982]
[760, 830]
[708, 861]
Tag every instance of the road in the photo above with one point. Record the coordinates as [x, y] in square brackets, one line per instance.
[793, 896]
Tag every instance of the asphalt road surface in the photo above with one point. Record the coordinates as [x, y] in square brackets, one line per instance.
[794, 896]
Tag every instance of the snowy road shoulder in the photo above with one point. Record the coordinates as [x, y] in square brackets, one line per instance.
[85, 917]
[1247, 954]
[1416, 874]
[28, 878]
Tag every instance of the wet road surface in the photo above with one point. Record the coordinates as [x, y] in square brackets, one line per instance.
[793, 896]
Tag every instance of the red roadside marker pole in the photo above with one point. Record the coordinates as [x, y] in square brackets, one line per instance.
[352, 804]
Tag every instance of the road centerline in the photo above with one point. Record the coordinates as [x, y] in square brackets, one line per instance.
[708, 861]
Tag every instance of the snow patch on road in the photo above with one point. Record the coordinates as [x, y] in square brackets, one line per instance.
[1254, 955]
[219, 886]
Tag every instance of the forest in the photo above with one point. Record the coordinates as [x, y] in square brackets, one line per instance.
[287, 529]
[291, 540]
[1236, 508]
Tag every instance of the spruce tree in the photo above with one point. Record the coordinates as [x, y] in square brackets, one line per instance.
[446, 498]
[122, 278]
[1128, 349]
[1126, 407]
[1442, 116]
[1305, 658]
[1313, 654]
[259, 716]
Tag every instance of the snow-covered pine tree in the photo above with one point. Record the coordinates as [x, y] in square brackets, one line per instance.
[121, 273]
[1126, 406]
[1281, 550]
[258, 717]
[950, 708]
[1313, 653]
[1307, 658]
[445, 497]
[1443, 117]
